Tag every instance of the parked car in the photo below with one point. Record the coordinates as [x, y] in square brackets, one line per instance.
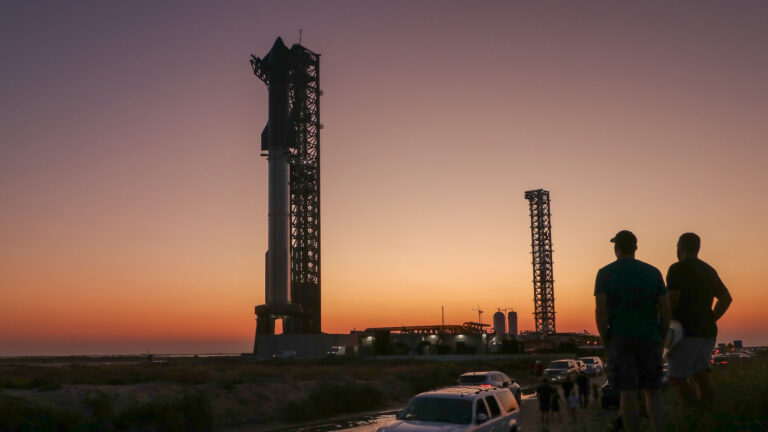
[459, 409]
[559, 370]
[729, 358]
[581, 366]
[488, 378]
[284, 355]
[337, 351]
[594, 365]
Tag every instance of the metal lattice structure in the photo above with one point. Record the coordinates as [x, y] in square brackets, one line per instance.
[304, 96]
[300, 69]
[541, 247]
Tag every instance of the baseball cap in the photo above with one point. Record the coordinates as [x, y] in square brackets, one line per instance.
[625, 238]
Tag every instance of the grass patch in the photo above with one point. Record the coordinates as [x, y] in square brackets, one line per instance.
[187, 413]
[740, 404]
[327, 399]
[22, 415]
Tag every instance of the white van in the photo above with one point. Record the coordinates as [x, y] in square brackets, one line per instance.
[459, 409]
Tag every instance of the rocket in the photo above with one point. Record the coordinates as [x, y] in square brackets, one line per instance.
[275, 141]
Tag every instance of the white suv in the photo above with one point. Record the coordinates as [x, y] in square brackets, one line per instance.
[485, 379]
[594, 365]
[560, 370]
[459, 409]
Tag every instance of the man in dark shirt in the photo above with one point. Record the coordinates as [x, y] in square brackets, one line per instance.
[567, 387]
[544, 393]
[632, 313]
[582, 381]
[693, 286]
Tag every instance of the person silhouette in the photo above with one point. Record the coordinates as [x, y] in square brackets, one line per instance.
[693, 285]
[632, 313]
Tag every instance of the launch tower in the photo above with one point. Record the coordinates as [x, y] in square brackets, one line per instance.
[291, 141]
[541, 246]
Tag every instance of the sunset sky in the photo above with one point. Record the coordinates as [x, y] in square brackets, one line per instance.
[133, 200]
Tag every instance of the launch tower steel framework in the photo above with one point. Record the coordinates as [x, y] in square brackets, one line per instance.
[541, 246]
[303, 135]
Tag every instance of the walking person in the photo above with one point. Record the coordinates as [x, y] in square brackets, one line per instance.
[595, 396]
[693, 285]
[582, 383]
[567, 387]
[555, 405]
[573, 405]
[544, 394]
[632, 313]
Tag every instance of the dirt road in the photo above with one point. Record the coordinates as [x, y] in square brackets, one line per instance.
[531, 417]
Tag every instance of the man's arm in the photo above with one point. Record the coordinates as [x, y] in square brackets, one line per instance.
[601, 316]
[723, 303]
[722, 295]
[673, 288]
[674, 298]
[665, 313]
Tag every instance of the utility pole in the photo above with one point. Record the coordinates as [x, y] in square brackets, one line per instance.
[442, 310]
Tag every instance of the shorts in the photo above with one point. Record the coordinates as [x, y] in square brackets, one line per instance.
[543, 405]
[690, 356]
[635, 363]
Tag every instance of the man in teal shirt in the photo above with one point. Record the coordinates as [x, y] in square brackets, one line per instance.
[632, 313]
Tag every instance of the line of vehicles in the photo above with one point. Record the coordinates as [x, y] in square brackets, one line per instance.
[729, 357]
[560, 370]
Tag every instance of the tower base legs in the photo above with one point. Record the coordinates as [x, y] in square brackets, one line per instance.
[267, 314]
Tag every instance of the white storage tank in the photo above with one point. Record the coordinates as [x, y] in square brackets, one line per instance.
[512, 318]
[498, 323]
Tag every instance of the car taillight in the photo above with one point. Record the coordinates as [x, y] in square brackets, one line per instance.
[485, 385]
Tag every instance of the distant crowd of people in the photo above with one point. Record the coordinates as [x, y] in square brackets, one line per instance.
[642, 320]
[550, 401]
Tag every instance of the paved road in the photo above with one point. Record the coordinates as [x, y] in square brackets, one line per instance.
[529, 413]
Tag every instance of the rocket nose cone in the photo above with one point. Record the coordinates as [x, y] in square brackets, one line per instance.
[279, 45]
[278, 52]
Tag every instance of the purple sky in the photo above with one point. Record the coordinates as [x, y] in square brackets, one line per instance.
[133, 197]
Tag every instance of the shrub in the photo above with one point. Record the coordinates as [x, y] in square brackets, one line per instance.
[331, 398]
[21, 415]
[189, 413]
[46, 383]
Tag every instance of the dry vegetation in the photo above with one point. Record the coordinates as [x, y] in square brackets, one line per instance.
[205, 393]
[741, 404]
